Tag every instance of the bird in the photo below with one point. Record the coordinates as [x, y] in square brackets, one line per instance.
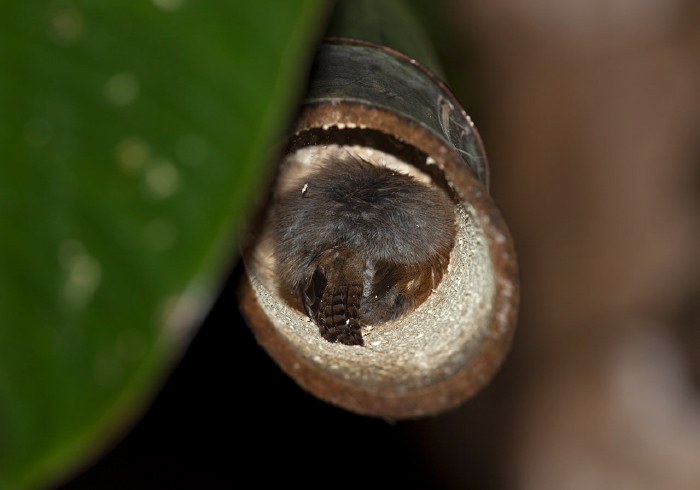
[360, 244]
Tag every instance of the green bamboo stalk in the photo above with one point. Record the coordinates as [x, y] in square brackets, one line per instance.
[388, 23]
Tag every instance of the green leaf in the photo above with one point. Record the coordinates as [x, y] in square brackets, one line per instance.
[133, 135]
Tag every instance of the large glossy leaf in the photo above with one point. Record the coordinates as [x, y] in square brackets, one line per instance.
[133, 135]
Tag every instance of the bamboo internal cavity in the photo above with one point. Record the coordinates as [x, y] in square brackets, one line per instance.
[417, 350]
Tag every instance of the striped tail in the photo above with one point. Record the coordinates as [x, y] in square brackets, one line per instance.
[339, 314]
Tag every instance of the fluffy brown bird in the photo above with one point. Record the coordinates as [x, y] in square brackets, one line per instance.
[361, 244]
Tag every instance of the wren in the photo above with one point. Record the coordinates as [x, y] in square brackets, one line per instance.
[360, 244]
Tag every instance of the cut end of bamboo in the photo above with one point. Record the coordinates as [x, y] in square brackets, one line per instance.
[436, 356]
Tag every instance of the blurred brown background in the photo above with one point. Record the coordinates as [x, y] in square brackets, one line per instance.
[590, 114]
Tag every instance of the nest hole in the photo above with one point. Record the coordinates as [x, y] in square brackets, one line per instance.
[428, 344]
